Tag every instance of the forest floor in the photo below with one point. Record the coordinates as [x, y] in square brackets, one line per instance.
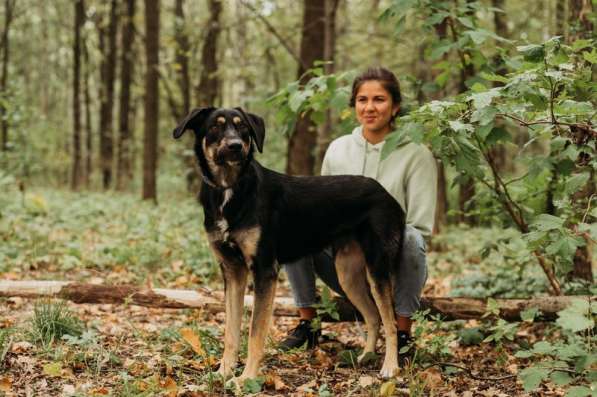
[126, 350]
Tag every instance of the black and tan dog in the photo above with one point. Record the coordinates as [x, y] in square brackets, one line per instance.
[256, 218]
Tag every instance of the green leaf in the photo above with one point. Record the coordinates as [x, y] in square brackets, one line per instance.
[565, 247]
[529, 314]
[560, 378]
[532, 52]
[590, 56]
[483, 99]
[543, 347]
[578, 391]
[547, 222]
[532, 377]
[470, 336]
[296, 100]
[494, 77]
[523, 354]
[574, 317]
[576, 182]
[484, 115]
[580, 44]
[459, 126]
[498, 134]
[253, 385]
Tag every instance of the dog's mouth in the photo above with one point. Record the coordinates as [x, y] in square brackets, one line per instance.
[231, 157]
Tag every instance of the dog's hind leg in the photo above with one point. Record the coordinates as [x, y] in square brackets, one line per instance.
[382, 293]
[351, 267]
[263, 305]
[235, 281]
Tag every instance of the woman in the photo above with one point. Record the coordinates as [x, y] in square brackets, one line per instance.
[409, 174]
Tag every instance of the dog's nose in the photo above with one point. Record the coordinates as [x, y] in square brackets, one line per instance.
[235, 146]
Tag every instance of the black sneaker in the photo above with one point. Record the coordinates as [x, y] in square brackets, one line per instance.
[404, 339]
[298, 336]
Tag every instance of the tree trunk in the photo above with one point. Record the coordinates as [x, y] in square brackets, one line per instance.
[108, 72]
[580, 26]
[301, 159]
[183, 49]
[208, 90]
[211, 301]
[9, 6]
[150, 143]
[324, 133]
[560, 17]
[77, 169]
[88, 120]
[467, 186]
[124, 165]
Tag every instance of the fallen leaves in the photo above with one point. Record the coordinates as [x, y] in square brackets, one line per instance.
[193, 340]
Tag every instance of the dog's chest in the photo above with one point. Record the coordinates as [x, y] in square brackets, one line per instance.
[245, 239]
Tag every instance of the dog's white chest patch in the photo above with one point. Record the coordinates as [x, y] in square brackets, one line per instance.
[223, 228]
[227, 197]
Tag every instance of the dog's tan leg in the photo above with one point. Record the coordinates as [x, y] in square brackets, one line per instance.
[235, 278]
[265, 290]
[351, 269]
[382, 293]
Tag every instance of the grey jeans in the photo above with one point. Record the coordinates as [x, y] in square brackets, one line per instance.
[411, 275]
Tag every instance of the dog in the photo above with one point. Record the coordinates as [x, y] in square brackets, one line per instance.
[256, 218]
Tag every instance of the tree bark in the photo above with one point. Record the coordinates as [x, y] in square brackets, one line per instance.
[324, 133]
[183, 49]
[124, 164]
[301, 159]
[77, 169]
[9, 6]
[108, 73]
[88, 120]
[208, 89]
[580, 26]
[150, 144]
[449, 308]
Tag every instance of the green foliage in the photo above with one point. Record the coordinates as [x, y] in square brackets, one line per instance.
[65, 231]
[51, 321]
[5, 341]
[436, 347]
[547, 94]
[568, 361]
[318, 95]
[326, 307]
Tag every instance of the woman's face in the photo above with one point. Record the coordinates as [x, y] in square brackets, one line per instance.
[374, 107]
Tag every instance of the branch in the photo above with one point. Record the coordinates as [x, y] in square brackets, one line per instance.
[273, 31]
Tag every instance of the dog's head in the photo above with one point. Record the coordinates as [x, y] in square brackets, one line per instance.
[223, 137]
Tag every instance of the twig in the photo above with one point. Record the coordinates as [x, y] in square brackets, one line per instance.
[470, 371]
[273, 31]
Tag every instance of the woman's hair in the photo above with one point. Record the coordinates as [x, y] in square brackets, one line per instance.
[386, 78]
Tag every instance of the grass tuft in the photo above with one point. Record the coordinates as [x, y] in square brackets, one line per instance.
[51, 321]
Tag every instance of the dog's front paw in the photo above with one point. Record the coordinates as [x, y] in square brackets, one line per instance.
[226, 370]
[389, 370]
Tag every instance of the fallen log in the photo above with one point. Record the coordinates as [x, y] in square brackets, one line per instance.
[213, 302]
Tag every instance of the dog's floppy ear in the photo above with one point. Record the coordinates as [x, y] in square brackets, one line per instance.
[257, 126]
[193, 121]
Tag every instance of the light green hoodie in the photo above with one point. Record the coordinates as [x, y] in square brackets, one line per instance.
[409, 173]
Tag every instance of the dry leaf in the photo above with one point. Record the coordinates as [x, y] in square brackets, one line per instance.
[5, 384]
[307, 386]
[432, 377]
[99, 391]
[192, 339]
[21, 347]
[68, 390]
[53, 369]
[276, 382]
[323, 359]
[366, 381]
[169, 384]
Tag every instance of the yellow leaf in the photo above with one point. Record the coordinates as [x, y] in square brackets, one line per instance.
[387, 389]
[53, 369]
[366, 381]
[192, 339]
